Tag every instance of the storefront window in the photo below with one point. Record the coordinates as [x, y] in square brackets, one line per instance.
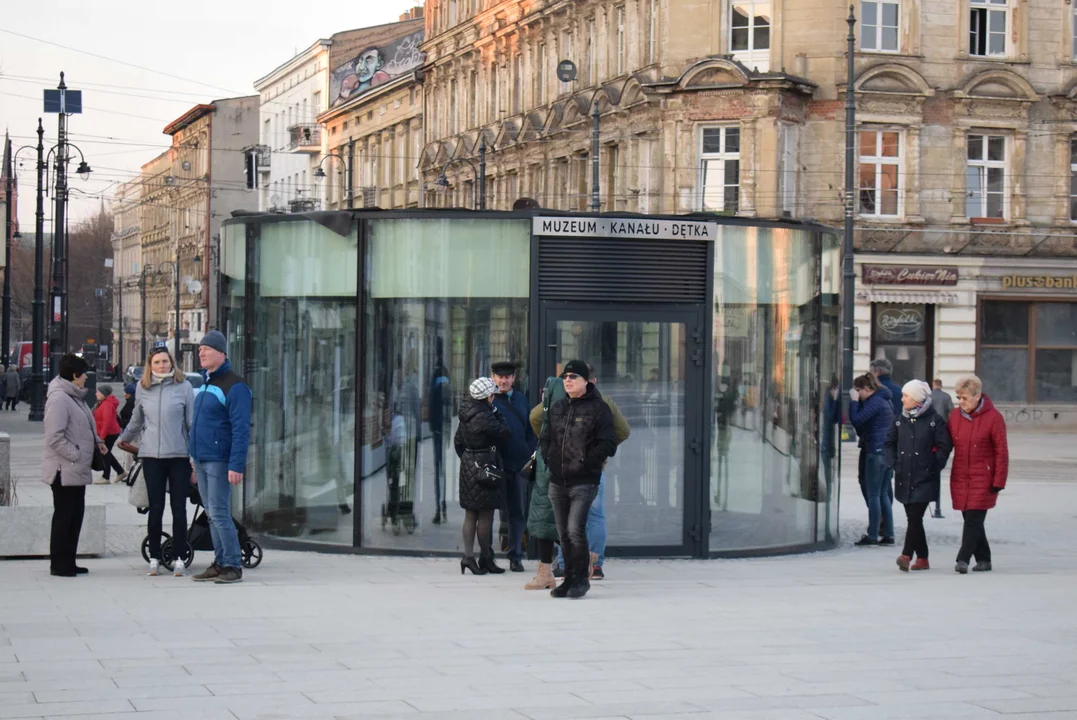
[443, 299]
[1028, 351]
[765, 479]
[902, 335]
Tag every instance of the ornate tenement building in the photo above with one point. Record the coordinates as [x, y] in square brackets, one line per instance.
[966, 158]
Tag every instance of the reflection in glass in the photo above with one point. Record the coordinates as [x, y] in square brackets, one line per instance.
[1004, 373]
[764, 456]
[1056, 376]
[1004, 323]
[443, 300]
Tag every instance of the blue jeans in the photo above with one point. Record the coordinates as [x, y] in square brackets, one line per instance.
[217, 499]
[596, 527]
[878, 490]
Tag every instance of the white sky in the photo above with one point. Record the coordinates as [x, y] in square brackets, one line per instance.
[220, 47]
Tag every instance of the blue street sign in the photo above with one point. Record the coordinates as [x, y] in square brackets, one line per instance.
[63, 101]
[161, 343]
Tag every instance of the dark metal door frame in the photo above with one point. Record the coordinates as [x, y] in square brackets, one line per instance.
[696, 460]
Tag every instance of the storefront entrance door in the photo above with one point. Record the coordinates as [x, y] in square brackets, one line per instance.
[651, 363]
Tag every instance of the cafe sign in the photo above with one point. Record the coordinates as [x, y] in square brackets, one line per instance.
[1039, 282]
[910, 275]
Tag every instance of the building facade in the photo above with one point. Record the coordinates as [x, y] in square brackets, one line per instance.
[966, 146]
[375, 131]
[126, 266]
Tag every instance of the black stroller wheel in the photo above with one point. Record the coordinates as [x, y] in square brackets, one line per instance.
[165, 537]
[252, 554]
[168, 553]
[410, 524]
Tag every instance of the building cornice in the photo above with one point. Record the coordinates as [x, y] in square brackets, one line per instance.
[296, 62]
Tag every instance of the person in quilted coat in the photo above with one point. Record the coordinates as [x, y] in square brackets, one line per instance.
[479, 438]
[981, 464]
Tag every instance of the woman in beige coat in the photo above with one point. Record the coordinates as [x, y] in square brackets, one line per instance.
[70, 437]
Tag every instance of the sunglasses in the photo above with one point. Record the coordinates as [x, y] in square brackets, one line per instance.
[570, 376]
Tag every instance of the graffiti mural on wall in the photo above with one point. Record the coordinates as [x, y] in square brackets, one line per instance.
[375, 66]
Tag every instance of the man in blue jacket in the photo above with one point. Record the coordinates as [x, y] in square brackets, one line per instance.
[882, 369]
[220, 435]
[521, 445]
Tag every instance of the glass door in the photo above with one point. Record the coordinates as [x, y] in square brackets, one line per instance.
[650, 363]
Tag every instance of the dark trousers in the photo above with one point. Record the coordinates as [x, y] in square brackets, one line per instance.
[974, 538]
[516, 497]
[12, 402]
[861, 473]
[110, 459]
[439, 462]
[545, 550]
[68, 507]
[570, 507]
[175, 475]
[915, 537]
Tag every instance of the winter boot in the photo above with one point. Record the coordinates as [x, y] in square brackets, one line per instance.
[920, 564]
[903, 562]
[543, 579]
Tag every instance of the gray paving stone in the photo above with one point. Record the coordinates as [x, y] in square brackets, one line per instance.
[64, 709]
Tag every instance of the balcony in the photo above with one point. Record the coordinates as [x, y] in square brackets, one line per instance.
[263, 157]
[305, 137]
[304, 205]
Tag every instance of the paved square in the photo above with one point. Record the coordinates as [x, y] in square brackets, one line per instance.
[839, 635]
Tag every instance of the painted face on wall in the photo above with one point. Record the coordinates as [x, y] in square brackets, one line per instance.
[368, 64]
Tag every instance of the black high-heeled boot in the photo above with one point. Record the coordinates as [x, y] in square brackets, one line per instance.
[486, 562]
[468, 563]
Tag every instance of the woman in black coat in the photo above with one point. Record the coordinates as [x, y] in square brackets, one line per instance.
[478, 441]
[917, 448]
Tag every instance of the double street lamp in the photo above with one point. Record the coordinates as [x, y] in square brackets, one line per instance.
[163, 269]
[349, 189]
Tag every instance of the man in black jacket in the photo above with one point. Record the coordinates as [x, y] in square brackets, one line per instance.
[578, 439]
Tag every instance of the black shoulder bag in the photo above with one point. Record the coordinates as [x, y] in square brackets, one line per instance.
[486, 469]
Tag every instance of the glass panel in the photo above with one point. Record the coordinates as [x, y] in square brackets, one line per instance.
[974, 192]
[995, 205]
[996, 148]
[888, 201]
[869, 13]
[731, 197]
[830, 400]
[712, 140]
[713, 188]
[1004, 323]
[304, 352]
[761, 37]
[888, 182]
[976, 147]
[890, 38]
[1073, 143]
[997, 43]
[890, 14]
[739, 39]
[444, 299]
[1073, 196]
[867, 189]
[732, 171]
[740, 17]
[995, 180]
[996, 22]
[903, 324]
[1004, 373]
[732, 140]
[868, 143]
[1056, 376]
[1056, 324]
[641, 366]
[909, 361]
[764, 457]
[891, 141]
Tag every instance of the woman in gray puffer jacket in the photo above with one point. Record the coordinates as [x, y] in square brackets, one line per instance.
[70, 437]
[164, 411]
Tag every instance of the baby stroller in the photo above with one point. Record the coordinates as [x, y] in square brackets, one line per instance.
[400, 510]
[199, 538]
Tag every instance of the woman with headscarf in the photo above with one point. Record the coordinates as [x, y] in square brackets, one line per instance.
[981, 464]
[478, 441]
[917, 448]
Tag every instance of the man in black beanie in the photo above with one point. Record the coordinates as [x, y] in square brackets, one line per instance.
[578, 439]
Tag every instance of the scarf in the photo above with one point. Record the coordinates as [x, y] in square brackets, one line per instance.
[978, 408]
[159, 378]
[918, 410]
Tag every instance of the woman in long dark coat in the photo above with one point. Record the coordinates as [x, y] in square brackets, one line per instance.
[478, 441]
[917, 448]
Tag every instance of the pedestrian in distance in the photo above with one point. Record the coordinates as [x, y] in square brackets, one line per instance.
[161, 423]
[479, 439]
[219, 440]
[883, 370]
[12, 386]
[871, 414]
[943, 403]
[519, 447]
[981, 465]
[128, 408]
[917, 448]
[70, 439]
[106, 415]
[577, 441]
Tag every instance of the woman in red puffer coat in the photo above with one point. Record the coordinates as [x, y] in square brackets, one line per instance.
[981, 464]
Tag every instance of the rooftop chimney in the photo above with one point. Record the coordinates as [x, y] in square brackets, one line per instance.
[414, 14]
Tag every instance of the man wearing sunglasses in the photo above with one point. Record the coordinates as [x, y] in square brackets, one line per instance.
[576, 443]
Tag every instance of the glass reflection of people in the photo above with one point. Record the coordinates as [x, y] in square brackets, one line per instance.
[406, 404]
[438, 402]
[831, 421]
[518, 449]
[725, 406]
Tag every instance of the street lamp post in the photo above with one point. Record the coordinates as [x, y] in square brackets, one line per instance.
[349, 186]
[848, 273]
[479, 173]
[37, 370]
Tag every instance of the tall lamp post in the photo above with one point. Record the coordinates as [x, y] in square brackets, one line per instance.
[10, 189]
[479, 173]
[347, 162]
[848, 275]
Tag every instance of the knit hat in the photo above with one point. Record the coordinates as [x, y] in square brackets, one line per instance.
[129, 389]
[105, 390]
[215, 339]
[918, 390]
[482, 388]
[579, 367]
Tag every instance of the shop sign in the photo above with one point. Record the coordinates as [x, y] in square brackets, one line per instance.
[624, 228]
[900, 322]
[1038, 282]
[909, 275]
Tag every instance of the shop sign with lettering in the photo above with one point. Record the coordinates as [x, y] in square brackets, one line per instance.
[1039, 282]
[901, 322]
[624, 228]
[909, 275]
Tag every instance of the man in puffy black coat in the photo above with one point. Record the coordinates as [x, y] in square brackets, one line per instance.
[917, 448]
[578, 439]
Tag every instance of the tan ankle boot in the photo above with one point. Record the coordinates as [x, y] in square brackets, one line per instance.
[543, 579]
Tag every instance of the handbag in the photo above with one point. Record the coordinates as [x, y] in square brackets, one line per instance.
[487, 472]
[137, 494]
[98, 462]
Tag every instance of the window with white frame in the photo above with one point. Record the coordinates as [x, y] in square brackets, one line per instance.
[988, 23]
[879, 25]
[985, 177]
[880, 173]
[719, 169]
[1073, 179]
[749, 34]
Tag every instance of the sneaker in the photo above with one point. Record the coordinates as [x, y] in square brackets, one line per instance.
[866, 541]
[155, 567]
[903, 562]
[597, 574]
[961, 567]
[982, 566]
[178, 568]
[886, 541]
[209, 573]
[229, 575]
[122, 477]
